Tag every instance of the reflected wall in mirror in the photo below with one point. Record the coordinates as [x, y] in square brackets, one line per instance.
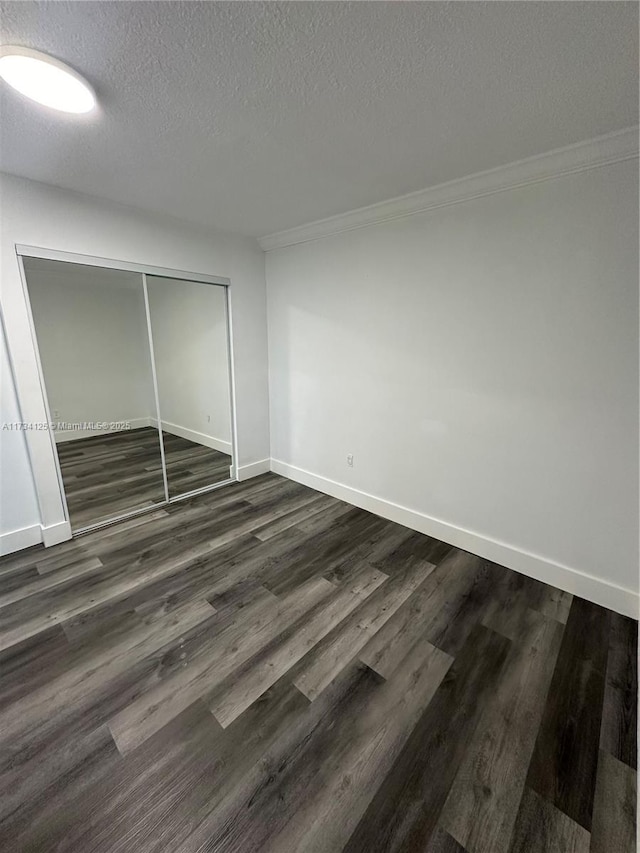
[92, 336]
[191, 354]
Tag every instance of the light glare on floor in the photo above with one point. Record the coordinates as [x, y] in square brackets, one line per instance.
[45, 80]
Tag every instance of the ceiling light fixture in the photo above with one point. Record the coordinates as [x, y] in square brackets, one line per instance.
[45, 80]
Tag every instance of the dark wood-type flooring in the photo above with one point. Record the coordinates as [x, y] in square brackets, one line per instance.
[108, 475]
[265, 668]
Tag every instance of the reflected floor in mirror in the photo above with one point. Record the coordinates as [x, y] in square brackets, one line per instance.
[108, 475]
[193, 466]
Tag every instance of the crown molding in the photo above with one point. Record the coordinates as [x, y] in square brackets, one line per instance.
[590, 154]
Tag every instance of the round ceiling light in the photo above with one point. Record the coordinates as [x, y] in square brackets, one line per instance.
[45, 80]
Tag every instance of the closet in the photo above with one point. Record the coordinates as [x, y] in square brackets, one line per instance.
[135, 365]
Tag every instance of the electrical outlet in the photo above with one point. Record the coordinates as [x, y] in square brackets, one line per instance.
[350, 460]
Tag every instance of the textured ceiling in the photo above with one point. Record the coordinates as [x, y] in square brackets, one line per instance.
[254, 117]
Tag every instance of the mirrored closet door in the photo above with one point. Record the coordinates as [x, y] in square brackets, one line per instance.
[136, 372]
[190, 345]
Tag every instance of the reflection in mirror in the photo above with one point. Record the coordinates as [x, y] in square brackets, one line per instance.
[92, 337]
[191, 354]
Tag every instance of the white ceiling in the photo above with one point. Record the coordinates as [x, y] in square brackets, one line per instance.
[255, 117]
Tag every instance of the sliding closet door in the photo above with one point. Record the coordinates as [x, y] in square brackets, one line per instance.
[93, 343]
[191, 352]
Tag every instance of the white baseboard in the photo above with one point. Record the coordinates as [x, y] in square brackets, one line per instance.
[56, 533]
[137, 423]
[254, 469]
[195, 436]
[75, 434]
[16, 540]
[602, 592]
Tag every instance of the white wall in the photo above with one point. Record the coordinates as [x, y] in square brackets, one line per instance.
[93, 343]
[39, 215]
[480, 362]
[18, 505]
[188, 321]
[92, 335]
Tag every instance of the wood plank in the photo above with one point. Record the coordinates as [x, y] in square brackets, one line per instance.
[232, 698]
[149, 567]
[346, 541]
[618, 734]
[482, 806]
[442, 842]
[405, 810]
[386, 539]
[366, 739]
[507, 609]
[516, 593]
[242, 637]
[459, 585]
[411, 547]
[319, 504]
[470, 580]
[11, 564]
[253, 748]
[542, 828]
[615, 807]
[553, 603]
[33, 809]
[104, 626]
[88, 672]
[283, 803]
[15, 580]
[201, 579]
[322, 520]
[63, 577]
[565, 758]
[55, 747]
[352, 634]
[25, 667]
